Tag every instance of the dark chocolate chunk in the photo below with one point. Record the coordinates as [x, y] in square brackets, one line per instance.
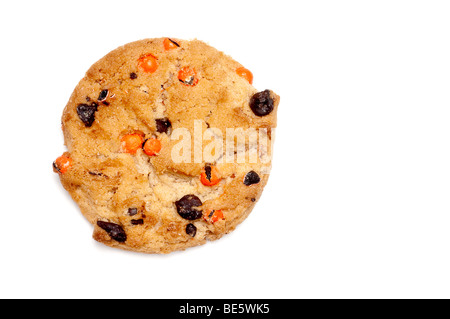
[261, 103]
[103, 95]
[185, 207]
[163, 125]
[208, 172]
[191, 230]
[251, 178]
[137, 222]
[174, 42]
[115, 231]
[132, 211]
[133, 75]
[86, 113]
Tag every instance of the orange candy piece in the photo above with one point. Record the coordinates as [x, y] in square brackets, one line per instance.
[152, 147]
[62, 164]
[148, 63]
[170, 44]
[188, 76]
[246, 74]
[213, 216]
[130, 143]
[210, 176]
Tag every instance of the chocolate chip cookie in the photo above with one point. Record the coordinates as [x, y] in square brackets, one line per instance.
[168, 145]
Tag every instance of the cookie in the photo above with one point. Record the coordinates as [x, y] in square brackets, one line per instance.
[168, 145]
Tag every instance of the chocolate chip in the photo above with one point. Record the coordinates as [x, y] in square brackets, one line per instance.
[251, 178]
[103, 95]
[163, 125]
[133, 75]
[86, 113]
[208, 172]
[174, 42]
[261, 103]
[253, 199]
[137, 222]
[132, 211]
[185, 207]
[191, 230]
[115, 231]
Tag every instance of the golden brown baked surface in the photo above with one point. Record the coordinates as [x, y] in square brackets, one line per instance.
[171, 98]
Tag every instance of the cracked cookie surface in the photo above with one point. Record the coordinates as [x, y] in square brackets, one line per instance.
[121, 128]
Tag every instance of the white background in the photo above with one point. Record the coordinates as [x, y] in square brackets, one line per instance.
[357, 205]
